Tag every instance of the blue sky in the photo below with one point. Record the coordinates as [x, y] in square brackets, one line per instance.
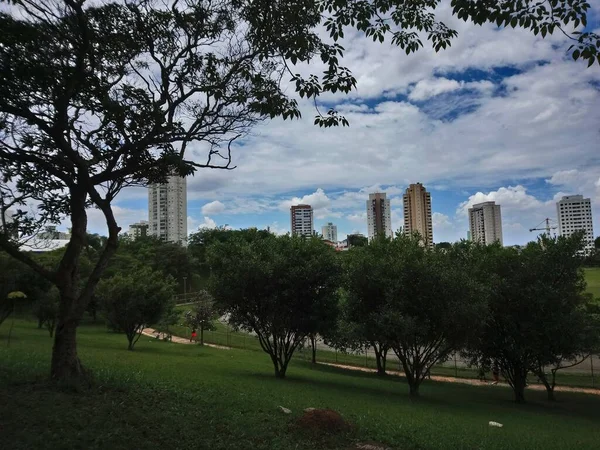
[502, 115]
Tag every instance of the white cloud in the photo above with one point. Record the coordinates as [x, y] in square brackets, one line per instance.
[215, 207]
[318, 200]
[509, 198]
[358, 217]
[278, 229]
[564, 178]
[207, 223]
[431, 87]
[440, 220]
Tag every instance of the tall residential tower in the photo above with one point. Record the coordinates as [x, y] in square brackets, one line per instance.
[379, 216]
[485, 223]
[302, 220]
[329, 232]
[167, 210]
[417, 212]
[575, 214]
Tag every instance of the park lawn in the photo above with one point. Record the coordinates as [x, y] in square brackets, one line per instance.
[166, 395]
[592, 276]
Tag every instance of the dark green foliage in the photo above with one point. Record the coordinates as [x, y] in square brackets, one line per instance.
[199, 242]
[134, 301]
[357, 240]
[171, 259]
[45, 310]
[537, 315]
[281, 288]
[432, 305]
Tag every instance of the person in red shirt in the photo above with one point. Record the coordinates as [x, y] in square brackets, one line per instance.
[194, 336]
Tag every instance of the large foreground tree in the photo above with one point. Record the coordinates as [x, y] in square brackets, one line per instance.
[97, 96]
[283, 289]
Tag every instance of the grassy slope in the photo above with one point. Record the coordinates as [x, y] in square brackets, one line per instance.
[176, 396]
[592, 275]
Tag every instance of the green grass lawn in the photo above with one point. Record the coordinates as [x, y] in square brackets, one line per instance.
[592, 276]
[165, 395]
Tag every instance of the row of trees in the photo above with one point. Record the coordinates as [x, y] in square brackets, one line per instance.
[524, 311]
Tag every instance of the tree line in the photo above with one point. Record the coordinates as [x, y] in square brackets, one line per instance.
[524, 311]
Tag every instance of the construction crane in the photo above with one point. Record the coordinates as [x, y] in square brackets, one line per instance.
[547, 228]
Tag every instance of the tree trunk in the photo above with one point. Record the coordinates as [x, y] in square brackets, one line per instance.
[313, 343]
[130, 346]
[380, 358]
[413, 389]
[201, 335]
[65, 362]
[549, 388]
[40, 323]
[519, 388]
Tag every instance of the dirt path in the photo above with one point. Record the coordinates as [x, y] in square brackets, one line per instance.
[471, 381]
[537, 387]
[179, 340]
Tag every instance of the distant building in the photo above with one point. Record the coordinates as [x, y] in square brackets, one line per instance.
[575, 214]
[379, 216]
[11, 227]
[469, 235]
[417, 212]
[485, 223]
[329, 232]
[138, 229]
[167, 210]
[302, 220]
[51, 233]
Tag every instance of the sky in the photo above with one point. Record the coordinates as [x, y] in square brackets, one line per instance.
[501, 115]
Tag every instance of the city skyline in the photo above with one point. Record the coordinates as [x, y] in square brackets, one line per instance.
[517, 125]
[323, 201]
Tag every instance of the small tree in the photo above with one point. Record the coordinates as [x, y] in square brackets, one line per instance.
[281, 288]
[134, 301]
[432, 306]
[203, 314]
[535, 317]
[363, 307]
[46, 310]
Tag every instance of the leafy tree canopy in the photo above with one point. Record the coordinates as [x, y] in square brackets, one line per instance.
[281, 288]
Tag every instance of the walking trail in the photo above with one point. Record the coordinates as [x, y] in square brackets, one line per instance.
[537, 387]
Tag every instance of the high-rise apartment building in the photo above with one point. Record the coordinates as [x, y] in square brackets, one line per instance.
[302, 220]
[485, 223]
[329, 232]
[574, 214]
[138, 229]
[379, 216]
[417, 212]
[167, 210]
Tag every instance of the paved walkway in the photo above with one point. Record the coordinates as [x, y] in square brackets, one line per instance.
[538, 387]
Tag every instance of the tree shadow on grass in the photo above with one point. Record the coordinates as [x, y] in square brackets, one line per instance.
[453, 398]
